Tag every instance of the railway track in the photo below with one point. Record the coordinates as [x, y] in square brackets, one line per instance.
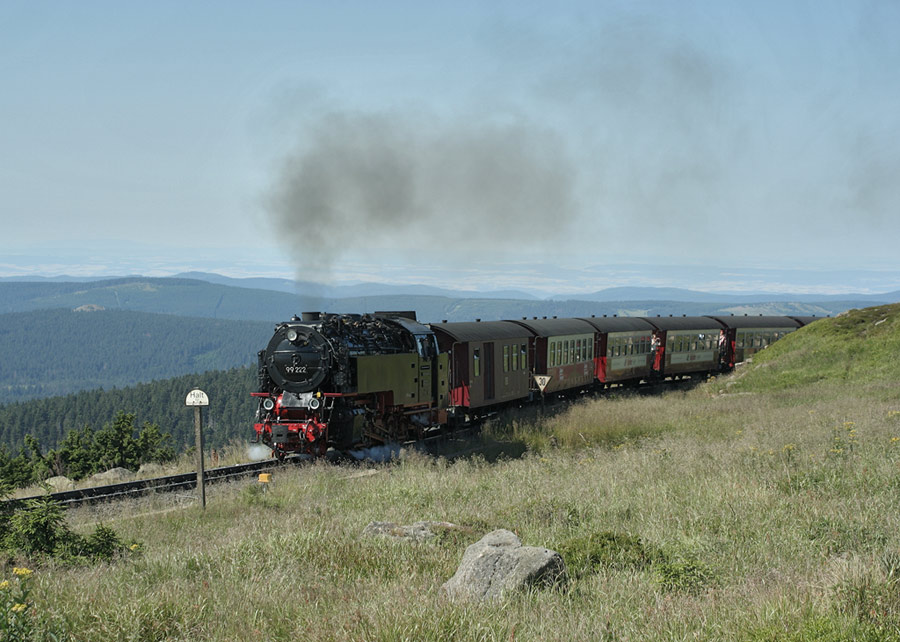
[169, 483]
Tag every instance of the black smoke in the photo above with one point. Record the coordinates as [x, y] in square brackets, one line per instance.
[410, 182]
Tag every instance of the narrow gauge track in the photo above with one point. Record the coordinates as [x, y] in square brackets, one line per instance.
[169, 483]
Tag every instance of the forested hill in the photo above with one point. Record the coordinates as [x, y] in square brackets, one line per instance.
[56, 352]
[230, 413]
[185, 297]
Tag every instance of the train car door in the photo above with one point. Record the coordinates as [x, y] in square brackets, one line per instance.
[488, 371]
[427, 348]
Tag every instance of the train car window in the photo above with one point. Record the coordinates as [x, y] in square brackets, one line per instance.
[578, 355]
[505, 358]
[524, 357]
[565, 360]
[476, 358]
[514, 354]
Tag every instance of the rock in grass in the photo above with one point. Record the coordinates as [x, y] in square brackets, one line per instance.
[60, 483]
[498, 564]
[113, 475]
[419, 531]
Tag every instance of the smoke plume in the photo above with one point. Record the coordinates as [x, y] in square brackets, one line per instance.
[417, 184]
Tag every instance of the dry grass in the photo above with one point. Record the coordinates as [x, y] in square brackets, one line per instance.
[789, 535]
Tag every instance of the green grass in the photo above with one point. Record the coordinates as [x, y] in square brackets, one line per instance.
[857, 347]
[693, 515]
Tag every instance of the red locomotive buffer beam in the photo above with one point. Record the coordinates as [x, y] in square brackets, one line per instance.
[309, 436]
[289, 429]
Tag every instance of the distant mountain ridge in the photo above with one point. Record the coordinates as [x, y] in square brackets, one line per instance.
[201, 298]
[308, 288]
[695, 296]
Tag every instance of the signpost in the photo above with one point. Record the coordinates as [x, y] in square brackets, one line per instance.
[542, 381]
[197, 398]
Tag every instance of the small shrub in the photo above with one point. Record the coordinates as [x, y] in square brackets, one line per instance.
[39, 528]
[689, 576]
[103, 544]
[607, 549]
[259, 495]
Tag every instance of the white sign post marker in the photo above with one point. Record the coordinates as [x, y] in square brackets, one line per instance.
[197, 398]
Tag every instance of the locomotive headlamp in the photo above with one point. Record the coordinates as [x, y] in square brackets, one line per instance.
[314, 404]
[268, 404]
[292, 335]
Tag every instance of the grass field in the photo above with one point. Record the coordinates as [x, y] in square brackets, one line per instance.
[759, 506]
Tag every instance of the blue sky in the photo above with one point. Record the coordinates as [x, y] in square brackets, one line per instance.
[440, 142]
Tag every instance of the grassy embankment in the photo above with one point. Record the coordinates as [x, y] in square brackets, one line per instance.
[761, 506]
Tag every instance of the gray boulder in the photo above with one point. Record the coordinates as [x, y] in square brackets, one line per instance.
[498, 564]
[113, 475]
[60, 483]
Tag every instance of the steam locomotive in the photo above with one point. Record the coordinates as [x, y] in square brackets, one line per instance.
[347, 380]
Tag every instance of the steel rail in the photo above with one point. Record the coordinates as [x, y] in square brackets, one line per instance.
[168, 483]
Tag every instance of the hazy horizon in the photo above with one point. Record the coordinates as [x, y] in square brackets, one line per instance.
[705, 145]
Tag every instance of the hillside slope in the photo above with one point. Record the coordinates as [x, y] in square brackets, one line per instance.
[229, 416]
[56, 352]
[856, 347]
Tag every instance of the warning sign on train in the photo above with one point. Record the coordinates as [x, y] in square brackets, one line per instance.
[542, 381]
